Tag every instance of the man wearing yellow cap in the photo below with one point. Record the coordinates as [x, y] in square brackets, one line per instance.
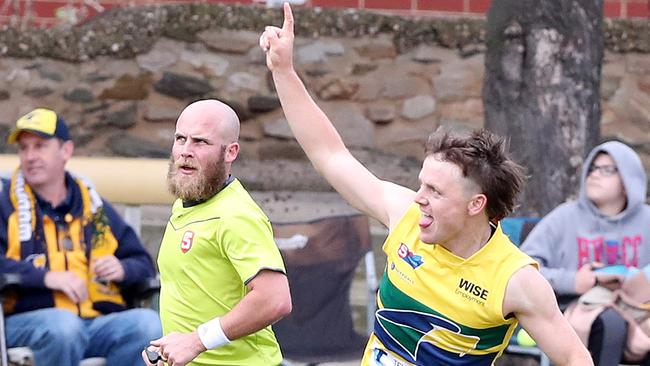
[74, 255]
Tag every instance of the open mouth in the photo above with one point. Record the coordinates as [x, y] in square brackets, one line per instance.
[186, 168]
[425, 220]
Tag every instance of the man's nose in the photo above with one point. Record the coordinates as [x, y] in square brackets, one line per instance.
[29, 153]
[419, 198]
[187, 150]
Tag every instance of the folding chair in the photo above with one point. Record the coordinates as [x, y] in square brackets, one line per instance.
[137, 295]
[518, 228]
[321, 257]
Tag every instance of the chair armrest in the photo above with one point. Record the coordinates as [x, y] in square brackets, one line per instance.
[10, 281]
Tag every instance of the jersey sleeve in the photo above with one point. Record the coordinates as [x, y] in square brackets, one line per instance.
[249, 245]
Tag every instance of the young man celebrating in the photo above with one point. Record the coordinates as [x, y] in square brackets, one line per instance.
[454, 287]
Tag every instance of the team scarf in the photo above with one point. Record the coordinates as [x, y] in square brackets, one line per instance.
[23, 199]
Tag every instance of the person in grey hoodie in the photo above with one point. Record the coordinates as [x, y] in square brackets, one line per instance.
[609, 224]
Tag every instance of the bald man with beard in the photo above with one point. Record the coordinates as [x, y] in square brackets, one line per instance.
[223, 282]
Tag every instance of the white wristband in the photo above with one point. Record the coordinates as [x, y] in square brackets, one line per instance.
[211, 334]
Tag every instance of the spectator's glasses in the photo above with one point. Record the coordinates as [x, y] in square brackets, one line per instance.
[65, 241]
[605, 170]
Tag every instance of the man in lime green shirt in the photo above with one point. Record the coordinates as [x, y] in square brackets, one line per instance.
[223, 282]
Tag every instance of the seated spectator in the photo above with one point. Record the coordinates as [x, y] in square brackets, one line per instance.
[74, 254]
[609, 224]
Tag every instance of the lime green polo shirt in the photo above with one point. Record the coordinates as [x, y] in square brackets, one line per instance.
[209, 253]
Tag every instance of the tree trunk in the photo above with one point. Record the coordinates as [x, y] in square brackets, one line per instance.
[542, 91]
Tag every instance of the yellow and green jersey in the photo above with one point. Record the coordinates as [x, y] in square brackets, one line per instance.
[435, 308]
[209, 253]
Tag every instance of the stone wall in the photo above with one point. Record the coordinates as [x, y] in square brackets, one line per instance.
[121, 80]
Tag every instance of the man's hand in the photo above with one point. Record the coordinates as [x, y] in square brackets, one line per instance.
[278, 44]
[178, 349]
[67, 282]
[109, 268]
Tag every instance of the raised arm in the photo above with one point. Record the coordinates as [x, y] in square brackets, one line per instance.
[530, 298]
[319, 139]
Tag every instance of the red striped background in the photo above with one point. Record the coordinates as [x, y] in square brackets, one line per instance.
[43, 12]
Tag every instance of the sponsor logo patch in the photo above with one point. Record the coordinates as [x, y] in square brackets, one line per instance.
[472, 292]
[409, 257]
[38, 260]
[401, 274]
[382, 358]
[186, 243]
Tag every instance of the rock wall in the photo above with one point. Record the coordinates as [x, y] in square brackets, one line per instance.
[121, 80]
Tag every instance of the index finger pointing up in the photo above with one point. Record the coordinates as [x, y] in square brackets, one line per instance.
[287, 25]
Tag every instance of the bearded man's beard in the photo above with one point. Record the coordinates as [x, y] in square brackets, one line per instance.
[198, 187]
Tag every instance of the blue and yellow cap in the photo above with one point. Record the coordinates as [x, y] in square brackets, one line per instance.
[43, 122]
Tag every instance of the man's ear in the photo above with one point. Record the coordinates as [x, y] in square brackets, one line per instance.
[477, 204]
[68, 149]
[232, 150]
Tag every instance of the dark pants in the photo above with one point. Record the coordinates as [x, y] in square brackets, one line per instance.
[607, 340]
